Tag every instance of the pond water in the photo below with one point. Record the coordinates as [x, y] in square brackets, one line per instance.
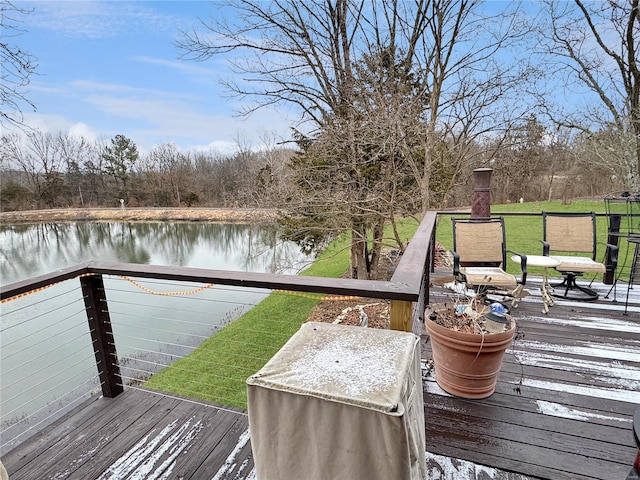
[30, 250]
[46, 357]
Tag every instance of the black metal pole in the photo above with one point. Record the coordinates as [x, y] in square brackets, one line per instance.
[95, 301]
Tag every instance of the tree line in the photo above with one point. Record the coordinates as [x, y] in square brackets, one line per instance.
[44, 170]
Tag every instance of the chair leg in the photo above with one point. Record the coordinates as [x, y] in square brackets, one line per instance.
[613, 289]
[626, 302]
[517, 295]
[569, 284]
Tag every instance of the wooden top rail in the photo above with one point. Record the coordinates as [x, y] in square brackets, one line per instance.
[296, 283]
[410, 268]
[42, 281]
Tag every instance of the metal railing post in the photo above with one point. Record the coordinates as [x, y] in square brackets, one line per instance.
[95, 301]
[613, 235]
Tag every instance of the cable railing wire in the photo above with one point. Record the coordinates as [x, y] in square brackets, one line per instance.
[211, 300]
[45, 313]
[33, 303]
[213, 397]
[161, 353]
[33, 399]
[230, 367]
[122, 316]
[35, 372]
[153, 340]
[48, 339]
[177, 320]
[160, 330]
[45, 354]
[194, 401]
[46, 420]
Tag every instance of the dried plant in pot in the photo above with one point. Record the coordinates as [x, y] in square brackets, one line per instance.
[468, 343]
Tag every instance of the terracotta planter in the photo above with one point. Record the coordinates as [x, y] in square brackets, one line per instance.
[460, 369]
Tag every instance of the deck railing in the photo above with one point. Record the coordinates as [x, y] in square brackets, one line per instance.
[407, 292]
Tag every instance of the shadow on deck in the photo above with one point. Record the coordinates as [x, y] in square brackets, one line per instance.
[562, 410]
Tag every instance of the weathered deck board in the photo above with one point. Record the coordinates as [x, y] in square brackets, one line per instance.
[139, 434]
[577, 370]
[578, 373]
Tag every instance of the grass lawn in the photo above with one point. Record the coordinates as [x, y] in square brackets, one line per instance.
[217, 370]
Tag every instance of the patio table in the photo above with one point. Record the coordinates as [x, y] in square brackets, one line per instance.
[546, 289]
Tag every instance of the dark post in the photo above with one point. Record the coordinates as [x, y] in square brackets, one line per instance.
[95, 301]
[481, 206]
[614, 231]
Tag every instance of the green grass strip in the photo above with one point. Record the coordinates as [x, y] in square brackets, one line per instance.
[217, 370]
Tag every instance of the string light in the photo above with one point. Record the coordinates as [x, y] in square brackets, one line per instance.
[36, 290]
[316, 296]
[166, 294]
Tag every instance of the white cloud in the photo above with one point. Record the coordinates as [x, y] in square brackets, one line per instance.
[221, 146]
[88, 87]
[184, 67]
[47, 123]
[82, 130]
[97, 19]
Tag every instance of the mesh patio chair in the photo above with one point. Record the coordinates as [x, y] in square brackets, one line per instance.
[571, 239]
[479, 258]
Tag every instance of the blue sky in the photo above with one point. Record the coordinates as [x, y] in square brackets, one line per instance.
[111, 67]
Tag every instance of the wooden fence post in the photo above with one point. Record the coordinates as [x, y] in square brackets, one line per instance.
[401, 315]
[95, 301]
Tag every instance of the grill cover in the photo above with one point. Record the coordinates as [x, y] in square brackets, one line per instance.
[339, 403]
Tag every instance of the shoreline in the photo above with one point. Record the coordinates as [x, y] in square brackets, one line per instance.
[161, 214]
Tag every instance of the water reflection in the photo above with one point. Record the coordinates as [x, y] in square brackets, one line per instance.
[30, 250]
[150, 330]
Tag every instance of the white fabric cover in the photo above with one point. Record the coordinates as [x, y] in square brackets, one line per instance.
[578, 264]
[339, 403]
[491, 276]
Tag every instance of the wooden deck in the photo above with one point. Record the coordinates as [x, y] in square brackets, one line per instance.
[562, 410]
[565, 396]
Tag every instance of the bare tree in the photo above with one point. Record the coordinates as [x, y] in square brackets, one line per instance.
[38, 156]
[167, 174]
[593, 47]
[17, 66]
[353, 68]
[475, 78]
[75, 153]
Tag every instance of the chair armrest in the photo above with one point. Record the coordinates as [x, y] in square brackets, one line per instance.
[523, 266]
[456, 263]
[545, 248]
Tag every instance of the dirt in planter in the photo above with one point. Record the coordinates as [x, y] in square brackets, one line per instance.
[446, 316]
